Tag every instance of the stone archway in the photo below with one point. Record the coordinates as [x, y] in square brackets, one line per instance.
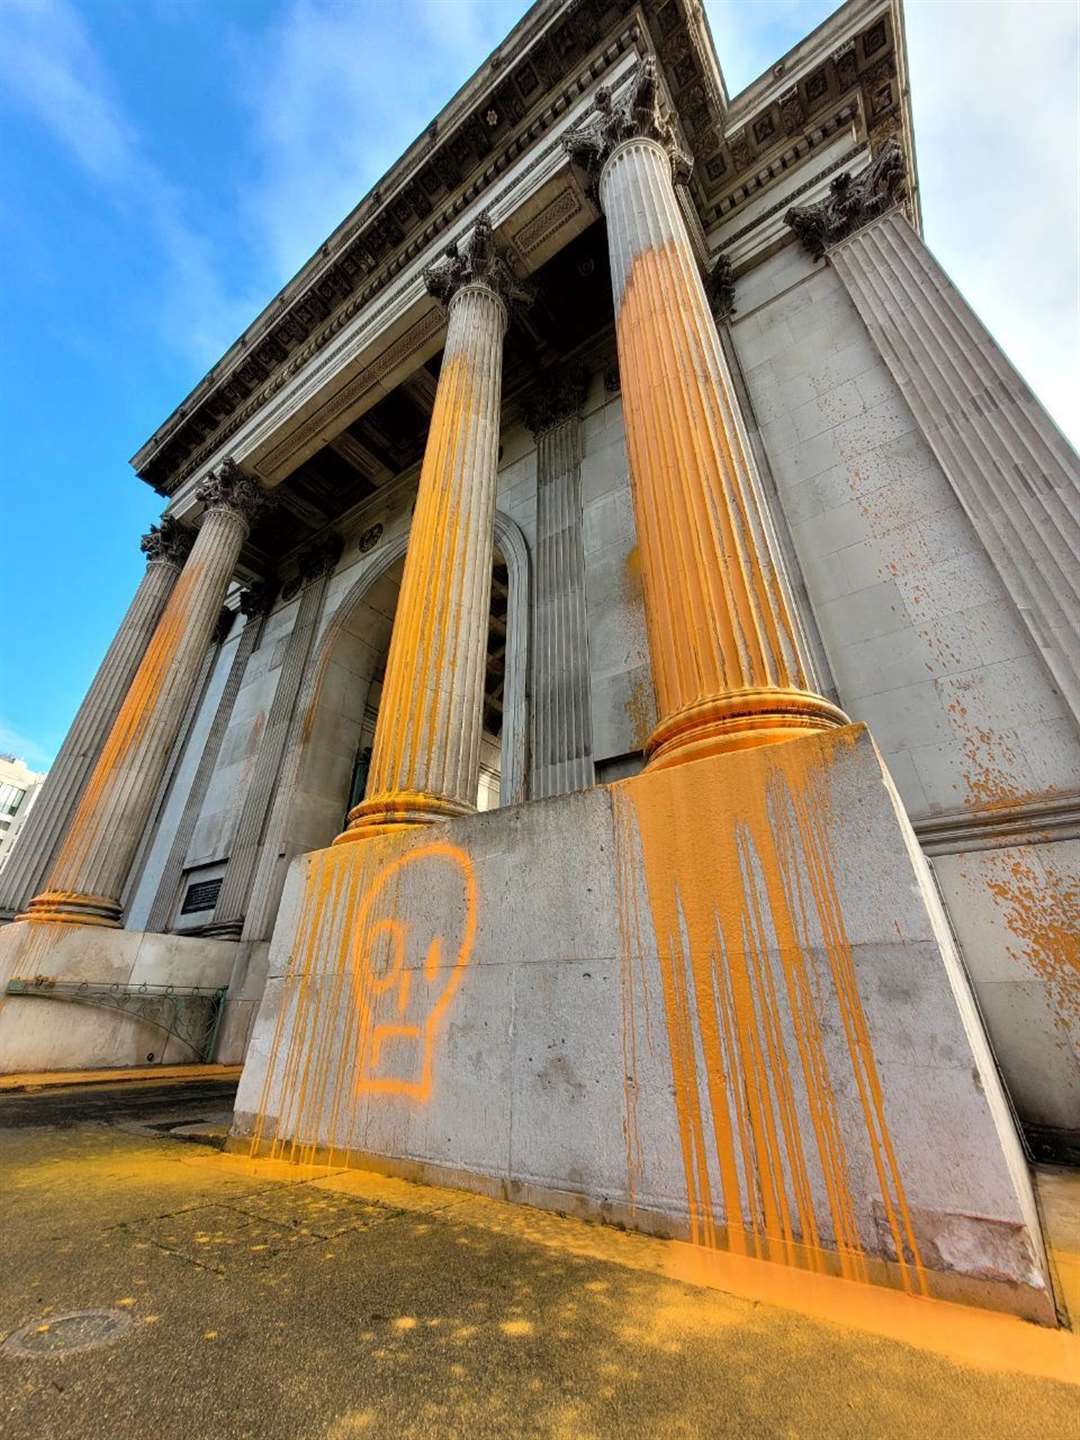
[329, 718]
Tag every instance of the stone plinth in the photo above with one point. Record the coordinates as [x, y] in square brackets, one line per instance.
[716, 1001]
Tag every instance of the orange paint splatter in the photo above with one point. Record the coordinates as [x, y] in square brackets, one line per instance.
[755, 966]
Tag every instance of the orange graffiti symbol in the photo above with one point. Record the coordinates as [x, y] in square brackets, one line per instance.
[381, 980]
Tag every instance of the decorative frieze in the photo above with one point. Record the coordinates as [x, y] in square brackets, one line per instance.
[852, 202]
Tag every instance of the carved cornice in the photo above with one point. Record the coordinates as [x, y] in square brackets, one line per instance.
[231, 488]
[638, 112]
[852, 203]
[476, 261]
[556, 399]
[527, 86]
[169, 541]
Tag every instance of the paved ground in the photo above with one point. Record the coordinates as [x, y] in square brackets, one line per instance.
[270, 1302]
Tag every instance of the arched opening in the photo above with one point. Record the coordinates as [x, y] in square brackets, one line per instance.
[339, 705]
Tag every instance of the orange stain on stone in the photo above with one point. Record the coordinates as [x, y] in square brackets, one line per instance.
[356, 1019]
[753, 956]
[1041, 906]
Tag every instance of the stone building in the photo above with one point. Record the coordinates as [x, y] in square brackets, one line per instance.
[19, 786]
[623, 431]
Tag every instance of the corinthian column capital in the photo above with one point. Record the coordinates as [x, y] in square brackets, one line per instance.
[556, 399]
[170, 541]
[230, 488]
[852, 203]
[476, 261]
[637, 113]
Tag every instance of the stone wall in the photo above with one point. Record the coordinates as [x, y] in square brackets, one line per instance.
[724, 1006]
[926, 646]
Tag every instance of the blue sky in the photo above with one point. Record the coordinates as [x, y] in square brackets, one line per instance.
[165, 165]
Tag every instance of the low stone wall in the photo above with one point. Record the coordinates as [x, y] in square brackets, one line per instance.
[49, 1034]
[717, 1002]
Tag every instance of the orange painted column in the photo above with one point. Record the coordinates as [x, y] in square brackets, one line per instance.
[728, 660]
[425, 763]
[87, 878]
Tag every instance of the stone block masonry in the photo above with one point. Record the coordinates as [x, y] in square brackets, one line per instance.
[724, 1007]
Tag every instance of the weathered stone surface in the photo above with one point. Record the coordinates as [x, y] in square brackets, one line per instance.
[559, 1037]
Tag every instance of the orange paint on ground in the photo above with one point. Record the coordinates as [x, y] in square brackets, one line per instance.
[739, 881]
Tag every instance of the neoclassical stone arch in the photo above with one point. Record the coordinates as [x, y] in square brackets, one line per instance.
[329, 715]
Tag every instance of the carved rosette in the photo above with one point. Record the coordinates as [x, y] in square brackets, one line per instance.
[852, 203]
[477, 260]
[230, 488]
[638, 112]
[170, 542]
[556, 399]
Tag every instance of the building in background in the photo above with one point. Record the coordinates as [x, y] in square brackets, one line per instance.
[19, 786]
[626, 458]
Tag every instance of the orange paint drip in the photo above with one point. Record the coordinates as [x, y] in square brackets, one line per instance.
[735, 864]
[365, 995]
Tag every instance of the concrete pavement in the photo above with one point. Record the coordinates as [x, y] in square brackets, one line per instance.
[269, 1301]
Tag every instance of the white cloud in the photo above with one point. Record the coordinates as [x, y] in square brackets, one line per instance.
[336, 93]
[994, 96]
[12, 742]
[995, 107]
[50, 69]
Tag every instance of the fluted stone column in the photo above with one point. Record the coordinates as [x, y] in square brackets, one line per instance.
[86, 881]
[254, 604]
[1013, 472]
[166, 547]
[425, 763]
[727, 655]
[316, 567]
[562, 721]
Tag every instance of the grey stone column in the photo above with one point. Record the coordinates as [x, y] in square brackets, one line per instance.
[1014, 473]
[316, 567]
[254, 603]
[562, 721]
[86, 882]
[425, 764]
[166, 547]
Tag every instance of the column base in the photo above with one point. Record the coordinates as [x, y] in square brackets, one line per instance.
[224, 929]
[405, 810]
[739, 720]
[68, 907]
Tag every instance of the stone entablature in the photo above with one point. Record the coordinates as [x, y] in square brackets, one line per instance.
[556, 53]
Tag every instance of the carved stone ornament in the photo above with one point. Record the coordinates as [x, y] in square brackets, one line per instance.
[232, 489]
[555, 399]
[638, 111]
[721, 288]
[370, 538]
[258, 598]
[320, 558]
[476, 261]
[851, 203]
[169, 541]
